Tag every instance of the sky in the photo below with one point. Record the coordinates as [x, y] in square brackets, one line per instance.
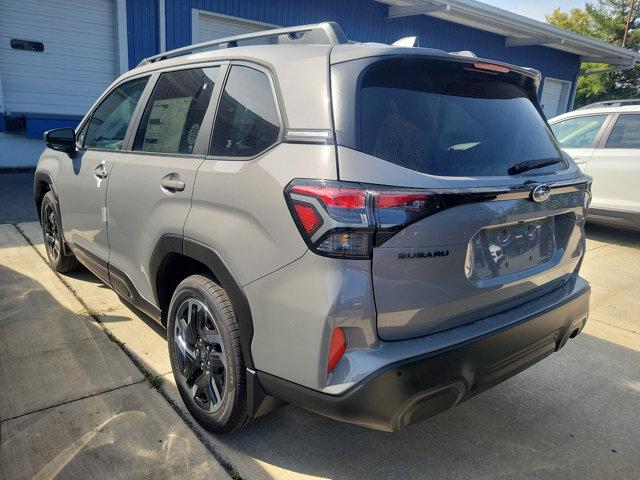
[535, 9]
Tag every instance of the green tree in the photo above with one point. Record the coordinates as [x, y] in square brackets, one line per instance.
[576, 20]
[606, 21]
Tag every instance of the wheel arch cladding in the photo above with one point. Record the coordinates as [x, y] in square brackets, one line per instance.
[175, 258]
[42, 184]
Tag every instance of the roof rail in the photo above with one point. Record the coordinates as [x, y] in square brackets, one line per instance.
[612, 103]
[325, 33]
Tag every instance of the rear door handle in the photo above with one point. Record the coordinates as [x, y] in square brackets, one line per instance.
[173, 185]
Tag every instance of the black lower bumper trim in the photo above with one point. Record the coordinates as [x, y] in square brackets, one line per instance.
[412, 390]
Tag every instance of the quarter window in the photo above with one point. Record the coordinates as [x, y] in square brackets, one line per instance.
[625, 133]
[109, 122]
[172, 118]
[578, 132]
[247, 121]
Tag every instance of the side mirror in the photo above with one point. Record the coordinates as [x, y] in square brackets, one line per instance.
[61, 139]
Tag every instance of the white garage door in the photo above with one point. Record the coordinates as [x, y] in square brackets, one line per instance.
[554, 98]
[78, 60]
[206, 26]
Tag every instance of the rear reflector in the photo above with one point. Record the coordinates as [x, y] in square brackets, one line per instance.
[337, 347]
[308, 217]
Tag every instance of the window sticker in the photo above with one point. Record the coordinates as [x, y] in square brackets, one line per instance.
[166, 121]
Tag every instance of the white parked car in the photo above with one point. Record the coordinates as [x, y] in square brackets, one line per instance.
[604, 140]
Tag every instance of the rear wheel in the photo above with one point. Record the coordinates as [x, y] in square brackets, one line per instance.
[52, 233]
[206, 357]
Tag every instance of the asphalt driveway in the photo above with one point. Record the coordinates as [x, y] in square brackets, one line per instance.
[16, 198]
[572, 416]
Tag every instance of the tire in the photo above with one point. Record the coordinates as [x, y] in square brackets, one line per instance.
[53, 239]
[204, 340]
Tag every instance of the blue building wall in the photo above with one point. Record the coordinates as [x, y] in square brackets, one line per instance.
[142, 30]
[362, 20]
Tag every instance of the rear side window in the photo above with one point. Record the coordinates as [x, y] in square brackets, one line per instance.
[449, 119]
[625, 133]
[247, 120]
[172, 118]
[110, 121]
[578, 132]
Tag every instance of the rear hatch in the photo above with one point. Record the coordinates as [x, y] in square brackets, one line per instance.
[504, 221]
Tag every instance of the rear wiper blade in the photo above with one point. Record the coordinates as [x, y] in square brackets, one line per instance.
[531, 164]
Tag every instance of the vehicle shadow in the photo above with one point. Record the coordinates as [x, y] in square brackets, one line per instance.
[625, 237]
[84, 275]
[81, 276]
[37, 339]
[71, 403]
[574, 415]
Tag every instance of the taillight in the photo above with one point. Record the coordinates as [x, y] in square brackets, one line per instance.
[344, 219]
[333, 196]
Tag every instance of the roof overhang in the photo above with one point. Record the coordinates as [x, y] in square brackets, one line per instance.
[518, 30]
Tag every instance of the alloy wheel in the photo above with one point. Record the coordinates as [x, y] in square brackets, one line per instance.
[200, 354]
[51, 233]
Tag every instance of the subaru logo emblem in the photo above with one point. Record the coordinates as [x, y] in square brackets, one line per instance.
[541, 193]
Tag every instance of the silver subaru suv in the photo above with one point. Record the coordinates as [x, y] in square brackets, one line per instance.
[371, 232]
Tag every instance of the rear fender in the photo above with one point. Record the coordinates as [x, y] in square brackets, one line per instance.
[169, 244]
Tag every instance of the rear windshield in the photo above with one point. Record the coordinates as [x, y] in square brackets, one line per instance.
[450, 119]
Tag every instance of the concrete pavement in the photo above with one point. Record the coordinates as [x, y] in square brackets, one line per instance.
[574, 415]
[72, 404]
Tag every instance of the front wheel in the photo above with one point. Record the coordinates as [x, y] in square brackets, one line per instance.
[206, 357]
[52, 233]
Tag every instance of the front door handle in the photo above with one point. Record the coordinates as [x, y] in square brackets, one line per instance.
[172, 184]
[100, 171]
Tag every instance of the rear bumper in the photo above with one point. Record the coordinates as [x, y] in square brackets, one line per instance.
[412, 390]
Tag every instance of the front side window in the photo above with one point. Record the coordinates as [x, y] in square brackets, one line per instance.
[578, 132]
[625, 133]
[445, 119]
[173, 116]
[247, 121]
[81, 135]
[109, 122]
